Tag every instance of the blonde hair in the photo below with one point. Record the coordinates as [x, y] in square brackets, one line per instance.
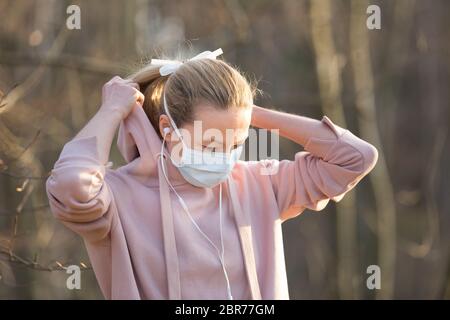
[197, 81]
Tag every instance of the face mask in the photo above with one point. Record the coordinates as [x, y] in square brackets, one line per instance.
[201, 168]
[206, 169]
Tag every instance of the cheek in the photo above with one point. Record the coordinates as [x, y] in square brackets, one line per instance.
[188, 133]
[245, 118]
[244, 125]
[175, 149]
[249, 116]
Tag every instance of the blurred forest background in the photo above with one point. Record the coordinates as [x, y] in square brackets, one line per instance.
[313, 57]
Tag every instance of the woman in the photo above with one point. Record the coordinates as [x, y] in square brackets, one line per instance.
[166, 227]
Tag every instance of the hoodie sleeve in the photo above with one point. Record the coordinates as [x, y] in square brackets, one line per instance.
[327, 169]
[78, 194]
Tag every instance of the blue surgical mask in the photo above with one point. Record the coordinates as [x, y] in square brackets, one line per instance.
[206, 169]
[203, 168]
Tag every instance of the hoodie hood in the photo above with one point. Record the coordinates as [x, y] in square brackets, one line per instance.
[140, 146]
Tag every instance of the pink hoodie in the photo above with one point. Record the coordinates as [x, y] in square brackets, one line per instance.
[141, 243]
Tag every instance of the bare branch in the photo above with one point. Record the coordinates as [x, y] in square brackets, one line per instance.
[7, 255]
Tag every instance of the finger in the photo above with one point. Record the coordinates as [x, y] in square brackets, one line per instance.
[133, 84]
[137, 105]
[139, 97]
[114, 79]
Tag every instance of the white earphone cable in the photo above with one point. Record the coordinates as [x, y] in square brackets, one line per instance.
[221, 254]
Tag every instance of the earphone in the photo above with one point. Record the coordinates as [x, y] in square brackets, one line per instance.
[166, 130]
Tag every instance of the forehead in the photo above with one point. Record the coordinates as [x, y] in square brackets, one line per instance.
[233, 121]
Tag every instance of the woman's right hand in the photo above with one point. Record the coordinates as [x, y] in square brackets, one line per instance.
[121, 96]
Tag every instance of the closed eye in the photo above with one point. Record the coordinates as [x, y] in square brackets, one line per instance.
[212, 149]
[235, 146]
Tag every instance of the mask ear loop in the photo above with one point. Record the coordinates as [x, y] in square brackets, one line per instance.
[172, 122]
[221, 254]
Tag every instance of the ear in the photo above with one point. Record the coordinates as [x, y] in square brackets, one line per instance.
[164, 124]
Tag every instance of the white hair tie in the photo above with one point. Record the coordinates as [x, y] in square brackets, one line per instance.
[170, 66]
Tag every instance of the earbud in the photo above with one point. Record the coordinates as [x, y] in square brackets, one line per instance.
[166, 130]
